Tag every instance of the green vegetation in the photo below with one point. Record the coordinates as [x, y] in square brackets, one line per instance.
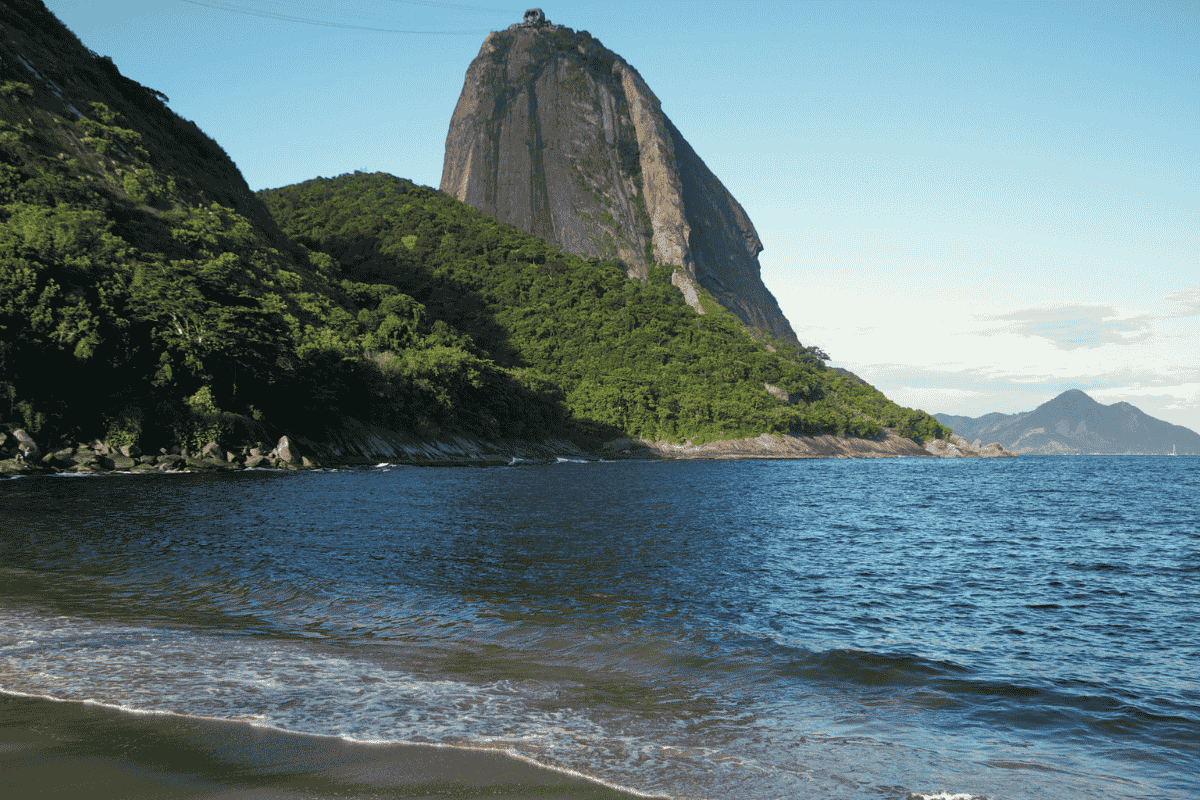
[147, 298]
[628, 356]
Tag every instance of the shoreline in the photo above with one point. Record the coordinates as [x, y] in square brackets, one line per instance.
[353, 443]
[56, 748]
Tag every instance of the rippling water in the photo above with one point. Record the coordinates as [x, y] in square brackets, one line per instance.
[1021, 628]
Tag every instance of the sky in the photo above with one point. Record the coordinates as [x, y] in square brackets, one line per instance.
[973, 206]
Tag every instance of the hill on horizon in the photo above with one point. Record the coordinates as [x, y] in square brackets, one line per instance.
[1072, 424]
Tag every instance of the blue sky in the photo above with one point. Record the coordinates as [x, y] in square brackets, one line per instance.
[974, 206]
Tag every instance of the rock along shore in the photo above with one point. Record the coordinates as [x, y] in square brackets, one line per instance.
[353, 443]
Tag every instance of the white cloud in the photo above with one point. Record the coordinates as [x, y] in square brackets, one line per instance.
[1082, 325]
[1187, 300]
[971, 359]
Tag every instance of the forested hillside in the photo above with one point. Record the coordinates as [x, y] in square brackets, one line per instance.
[628, 355]
[148, 298]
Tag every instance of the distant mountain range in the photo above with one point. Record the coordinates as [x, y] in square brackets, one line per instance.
[1074, 423]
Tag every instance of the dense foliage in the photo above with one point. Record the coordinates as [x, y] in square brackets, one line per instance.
[628, 355]
[146, 296]
[184, 324]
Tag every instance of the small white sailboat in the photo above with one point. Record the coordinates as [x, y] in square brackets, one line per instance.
[1172, 449]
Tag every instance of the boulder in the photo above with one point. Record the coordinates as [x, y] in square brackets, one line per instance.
[171, 461]
[88, 462]
[214, 451]
[62, 458]
[995, 450]
[257, 461]
[119, 461]
[779, 392]
[130, 450]
[26, 444]
[287, 451]
[943, 449]
[205, 464]
[19, 466]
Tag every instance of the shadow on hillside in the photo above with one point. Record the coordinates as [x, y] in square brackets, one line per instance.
[533, 414]
[455, 302]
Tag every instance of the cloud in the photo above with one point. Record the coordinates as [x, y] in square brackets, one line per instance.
[1181, 395]
[1091, 325]
[945, 355]
[1187, 300]
[1080, 325]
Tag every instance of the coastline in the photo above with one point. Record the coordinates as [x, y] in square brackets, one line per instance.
[351, 443]
[52, 748]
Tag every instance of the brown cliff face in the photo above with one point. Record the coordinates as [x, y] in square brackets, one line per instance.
[558, 136]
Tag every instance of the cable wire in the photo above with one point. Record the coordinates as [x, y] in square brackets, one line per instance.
[348, 26]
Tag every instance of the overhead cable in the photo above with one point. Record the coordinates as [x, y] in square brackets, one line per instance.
[330, 24]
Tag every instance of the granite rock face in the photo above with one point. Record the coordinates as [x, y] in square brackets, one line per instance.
[558, 136]
[957, 447]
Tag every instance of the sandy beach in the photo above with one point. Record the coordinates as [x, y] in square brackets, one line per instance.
[53, 749]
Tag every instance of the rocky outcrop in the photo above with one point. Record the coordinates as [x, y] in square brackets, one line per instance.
[558, 136]
[26, 446]
[957, 447]
[771, 446]
[348, 442]
[104, 457]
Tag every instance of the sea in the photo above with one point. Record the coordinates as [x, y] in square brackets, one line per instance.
[874, 628]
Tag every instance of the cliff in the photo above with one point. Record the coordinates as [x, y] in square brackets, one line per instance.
[560, 137]
[154, 312]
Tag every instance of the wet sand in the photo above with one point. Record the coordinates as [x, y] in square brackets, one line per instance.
[50, 749]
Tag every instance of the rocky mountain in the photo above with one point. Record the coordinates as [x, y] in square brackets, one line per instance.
[1073, 423]
[152, 307]
[557, 135]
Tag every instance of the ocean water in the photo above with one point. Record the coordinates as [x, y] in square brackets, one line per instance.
[1017, 628]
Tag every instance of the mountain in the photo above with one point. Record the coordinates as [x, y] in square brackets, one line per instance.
[1074, 423]
[560, 137]
[149, 301]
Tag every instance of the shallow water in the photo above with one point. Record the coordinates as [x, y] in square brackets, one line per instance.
[1019, 628]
